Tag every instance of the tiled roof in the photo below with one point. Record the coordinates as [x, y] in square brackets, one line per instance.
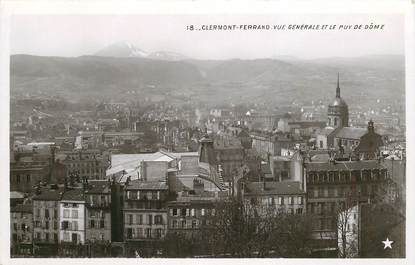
[277, 188]
[22, 208]
[98, 187]
[351, 133]
[73, 195]
[326, 131]
[146, 185]
[344, 165]
[49, 195]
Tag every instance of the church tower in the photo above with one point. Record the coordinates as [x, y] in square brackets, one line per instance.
[338, 111]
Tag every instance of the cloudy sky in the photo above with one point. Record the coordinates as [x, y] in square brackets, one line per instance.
[76, 35]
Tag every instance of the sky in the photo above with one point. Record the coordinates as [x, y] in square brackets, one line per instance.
[77, 35]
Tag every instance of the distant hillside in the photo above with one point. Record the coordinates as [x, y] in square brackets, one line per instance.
[97, 74]
[227, 80]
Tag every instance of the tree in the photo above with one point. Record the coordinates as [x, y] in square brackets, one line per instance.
[244, 230]
[347, 228]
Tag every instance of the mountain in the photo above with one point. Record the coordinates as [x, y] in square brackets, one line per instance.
[167, 56]
[126, 49]
[77, 76]
[271, 80]
[121, 50]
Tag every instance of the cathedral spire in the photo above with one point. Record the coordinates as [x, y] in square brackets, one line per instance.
[338, 86]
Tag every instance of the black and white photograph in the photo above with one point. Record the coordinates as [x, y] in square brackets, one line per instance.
[207, 136]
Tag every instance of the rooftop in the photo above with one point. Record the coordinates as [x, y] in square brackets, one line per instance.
[22, 208]
[146, 185]
[344, 165]
[98, 187]
[351, 133]
[49, 195]
[277, 188]
[73, 195]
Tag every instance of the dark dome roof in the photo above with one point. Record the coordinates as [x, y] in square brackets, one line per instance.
[338, 101]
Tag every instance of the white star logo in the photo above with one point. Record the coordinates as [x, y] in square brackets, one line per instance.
[387, 243]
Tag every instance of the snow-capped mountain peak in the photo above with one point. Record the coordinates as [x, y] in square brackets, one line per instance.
[127, 49]
[122, 49]
[167, 56]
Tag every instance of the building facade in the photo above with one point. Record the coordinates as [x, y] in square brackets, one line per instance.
[145, 214]
[72, 217]
[98, 211]
[46, 221]
[21, 230]
[91, 164]
[331, 186]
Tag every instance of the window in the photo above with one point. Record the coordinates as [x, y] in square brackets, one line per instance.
[194, 223]
[281, 200]
[150, 219]
[158, 195]
[75, 225]
[291, 200]
[130, 219]
[158, 220]
[47, 224]
[203, 212]
[92, 224]
[65, 225]
[66, 213]
[183, 224]
[101, 224]
[47, 237]
[299, 211]
[129, 233]
[74, 213]
[174, 224]
[55, 214]
[159, 233]
[15, 226]
[139, 219]
[300, 200]
[138, 195]
[192, 212]
[55, 225]
[148, 232]
[139, 232]
[55, 237]
[183, 212]
[174, 212]
[28, 178]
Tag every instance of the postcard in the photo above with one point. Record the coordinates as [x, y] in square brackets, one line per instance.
[187, 130]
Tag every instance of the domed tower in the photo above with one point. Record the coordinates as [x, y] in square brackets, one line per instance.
[338, 111]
